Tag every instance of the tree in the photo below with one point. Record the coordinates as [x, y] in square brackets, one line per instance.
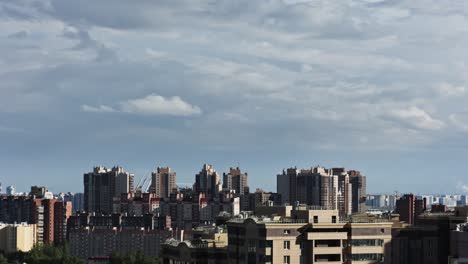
[133, 258]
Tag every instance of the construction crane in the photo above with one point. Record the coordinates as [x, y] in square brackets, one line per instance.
[141, 185]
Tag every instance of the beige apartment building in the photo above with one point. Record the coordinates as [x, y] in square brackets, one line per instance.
[309, 236]
[17, 237]
[264, 240]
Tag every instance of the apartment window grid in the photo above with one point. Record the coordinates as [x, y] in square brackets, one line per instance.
[286, 260]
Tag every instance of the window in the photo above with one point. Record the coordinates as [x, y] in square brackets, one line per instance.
[367, 257]
[367, 242]
[286, 232]
[269, 243]
[315, 219]
[287, 244]
[286, 260]
[334, 219]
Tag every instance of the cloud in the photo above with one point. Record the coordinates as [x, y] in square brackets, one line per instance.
[19, 35]
[460, 121]
[416, 117]
[157, 105]
[447, 89]
[97, 109]
[150, 105]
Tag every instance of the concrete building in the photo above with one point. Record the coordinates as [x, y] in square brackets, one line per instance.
[459, 245]
[236, 180]
[87, 243]
[209, 248]
[264, 240]
[62, 211]
[415, 245]
[207, 182]
[310, 236]
[17, 237]
[409, 207]
[163, 182]
[286, 184]
[38, 191]
[102, 185]
[358, 182]
[260, 198]
[327, 188]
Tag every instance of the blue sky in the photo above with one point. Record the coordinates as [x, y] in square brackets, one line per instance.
[377, 86]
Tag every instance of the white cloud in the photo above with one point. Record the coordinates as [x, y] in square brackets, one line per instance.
[416, 117]
[97, 109]
[150, 105]
[158, 105]
[447, 89]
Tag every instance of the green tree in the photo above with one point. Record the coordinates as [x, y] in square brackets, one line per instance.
[48, 254]
[3, 260]
[133, 258]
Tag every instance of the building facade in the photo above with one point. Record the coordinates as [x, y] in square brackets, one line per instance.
[163, 182]
[207, 182]
[102, 185]
[17, 237]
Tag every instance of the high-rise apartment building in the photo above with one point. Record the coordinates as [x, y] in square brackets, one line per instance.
[62, 211]
[207, 182]
[163, 182]
[409, 207]
[327, 188]
[286, 184]
[102, 185]
[236, 180]
[49, 220]
[358, 182]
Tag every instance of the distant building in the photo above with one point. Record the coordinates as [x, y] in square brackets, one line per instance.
[102, 185]
[163, 182]
[11, 190]
[409, 207]
[38, 191]
[358, 182]
[328, 188]
[17, 237]
[236, 180]
[207, 182]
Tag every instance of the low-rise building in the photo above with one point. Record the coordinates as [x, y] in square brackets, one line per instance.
[207, 246]
[88, 243]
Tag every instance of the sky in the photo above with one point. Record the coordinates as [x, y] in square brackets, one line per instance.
[378, 86]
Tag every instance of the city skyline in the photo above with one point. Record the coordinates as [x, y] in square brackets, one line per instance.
[376, 85]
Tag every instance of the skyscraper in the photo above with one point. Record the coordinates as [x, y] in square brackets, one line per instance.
[163, 182]
[358, 182]
[236, 180]
[102, 185]
[207, 182]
